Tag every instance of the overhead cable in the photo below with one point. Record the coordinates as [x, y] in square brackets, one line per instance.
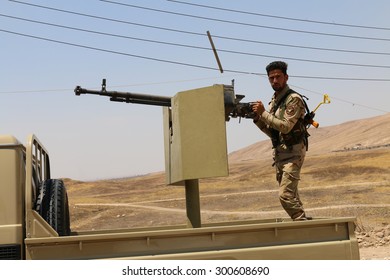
[245, 23]
[195, 47]
[184, 63]
[196, 33]
[281, 17]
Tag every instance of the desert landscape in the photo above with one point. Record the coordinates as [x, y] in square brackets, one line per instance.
[346, 174]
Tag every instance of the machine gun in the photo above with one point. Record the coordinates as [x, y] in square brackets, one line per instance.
[233, 107]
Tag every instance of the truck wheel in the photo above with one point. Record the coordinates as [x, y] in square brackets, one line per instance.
[52, 205]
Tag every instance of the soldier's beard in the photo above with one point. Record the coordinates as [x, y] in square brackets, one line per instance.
[277, 88]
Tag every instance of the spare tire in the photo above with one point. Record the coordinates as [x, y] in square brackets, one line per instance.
[52, 205]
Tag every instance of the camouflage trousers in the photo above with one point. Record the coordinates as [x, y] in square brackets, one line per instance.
[288, 163]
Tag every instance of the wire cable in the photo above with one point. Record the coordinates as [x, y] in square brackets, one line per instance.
[342, 100]
[108, 51]
[119, 86]
[197, 33]
[180, 63]
[281, 17]
[194, 47]
[299, 46]
[244, 23]
[106, 18]
[184, 63]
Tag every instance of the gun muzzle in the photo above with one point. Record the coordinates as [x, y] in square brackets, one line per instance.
[77, 90]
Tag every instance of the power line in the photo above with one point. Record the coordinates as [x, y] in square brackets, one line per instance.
[281, 17]
[102, 33]
[339, 78]
[197, 33]
[305, 60]
[193, 47]
[106, 18]
[107, 51]
[299, 46]
[180, 81]
[246, 24]
[115, 86]
[343, 100]
[184, 63]
[232, 71]
[35, 91]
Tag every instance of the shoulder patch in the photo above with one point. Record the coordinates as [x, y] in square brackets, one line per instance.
[293, 104]
[291, 110]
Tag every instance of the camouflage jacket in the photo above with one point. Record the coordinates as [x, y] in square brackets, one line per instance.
[286, 119]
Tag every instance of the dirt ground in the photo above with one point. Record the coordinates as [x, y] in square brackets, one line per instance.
[374, 244]
[375, 253]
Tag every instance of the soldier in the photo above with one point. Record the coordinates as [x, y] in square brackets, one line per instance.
[284, 124]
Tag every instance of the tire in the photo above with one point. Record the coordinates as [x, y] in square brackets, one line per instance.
[52, 205]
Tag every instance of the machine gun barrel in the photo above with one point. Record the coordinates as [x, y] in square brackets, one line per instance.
[127, 97]
[233, 107]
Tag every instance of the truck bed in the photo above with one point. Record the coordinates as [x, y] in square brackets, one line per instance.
[322, 238]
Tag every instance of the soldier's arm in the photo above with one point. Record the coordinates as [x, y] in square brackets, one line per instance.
[293, 111]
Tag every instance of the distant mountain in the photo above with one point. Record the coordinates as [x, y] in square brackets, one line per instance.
[357, 134]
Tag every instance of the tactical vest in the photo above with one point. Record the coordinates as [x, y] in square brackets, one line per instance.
[298, 133]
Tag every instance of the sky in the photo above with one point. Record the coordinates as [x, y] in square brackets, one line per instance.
[160, 47]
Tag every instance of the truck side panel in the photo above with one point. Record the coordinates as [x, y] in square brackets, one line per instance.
[264, 239]
[335, 250]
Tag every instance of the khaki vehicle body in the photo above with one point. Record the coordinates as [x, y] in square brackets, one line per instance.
[34, 213]
[265, 239]
[24, 234]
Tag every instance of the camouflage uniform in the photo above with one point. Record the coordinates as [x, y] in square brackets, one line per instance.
[280, 124]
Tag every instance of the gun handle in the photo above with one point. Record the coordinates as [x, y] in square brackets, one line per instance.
[315, 124]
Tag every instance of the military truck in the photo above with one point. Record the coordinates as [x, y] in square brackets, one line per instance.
[34, 210]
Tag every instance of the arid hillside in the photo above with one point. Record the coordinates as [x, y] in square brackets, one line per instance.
[353, 135]
[346, 173]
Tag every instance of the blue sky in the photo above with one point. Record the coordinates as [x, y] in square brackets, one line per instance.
[90, 138]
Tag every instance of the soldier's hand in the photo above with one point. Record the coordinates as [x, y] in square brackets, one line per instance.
[258, 108]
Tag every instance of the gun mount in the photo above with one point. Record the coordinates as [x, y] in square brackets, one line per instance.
[194, 133]
[234, 108]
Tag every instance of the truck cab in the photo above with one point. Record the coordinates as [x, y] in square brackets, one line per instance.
[12, 193]
[32, 204]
